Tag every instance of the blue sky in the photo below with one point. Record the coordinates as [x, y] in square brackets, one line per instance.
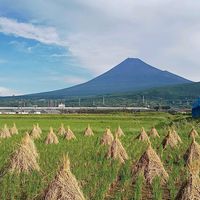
[30, 66]
[47, 45]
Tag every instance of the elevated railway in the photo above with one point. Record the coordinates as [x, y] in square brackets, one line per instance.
[40, 110]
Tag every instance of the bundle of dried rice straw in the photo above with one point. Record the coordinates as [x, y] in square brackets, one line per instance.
[116, 151]
[69, 135]
[193, 133]
[13, 130]
[61, 130]
[190, 190]
[192, 154]
[35, 133]
[5, 132]
[51, 137]
[143, 136]
[64, 186]
[107, 138]
[88, 131]
[25, 158]
[38, 128]
[119, 132]
[150, 166]
[154, 133]
[170, 140]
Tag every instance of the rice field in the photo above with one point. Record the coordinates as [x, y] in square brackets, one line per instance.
[98, 177]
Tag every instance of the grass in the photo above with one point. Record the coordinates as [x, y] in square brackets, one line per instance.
[88, 163]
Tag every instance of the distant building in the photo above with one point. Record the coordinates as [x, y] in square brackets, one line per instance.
[61, 105]
[196, 109]
[37, 112]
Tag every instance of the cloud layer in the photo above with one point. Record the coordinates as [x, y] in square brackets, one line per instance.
[46, 35]
[7, 91]
[101, 33]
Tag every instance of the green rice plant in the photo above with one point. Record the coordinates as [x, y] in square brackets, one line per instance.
[157, 189]
[138, 187]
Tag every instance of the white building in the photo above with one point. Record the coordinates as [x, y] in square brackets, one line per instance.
[61, 105]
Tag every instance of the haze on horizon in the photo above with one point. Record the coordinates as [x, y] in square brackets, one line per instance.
[46, 46]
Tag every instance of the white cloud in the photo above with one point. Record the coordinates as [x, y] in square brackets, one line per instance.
[163, 33]
[101, 33]
[60, 55]
[47, 35]
[7, 92]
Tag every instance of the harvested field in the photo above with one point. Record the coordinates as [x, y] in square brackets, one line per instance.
[97, 177]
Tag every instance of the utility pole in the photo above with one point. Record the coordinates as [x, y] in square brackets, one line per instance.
[21, 104]
[103, 100]
[79, 102]
[55, 103]
[143, 100]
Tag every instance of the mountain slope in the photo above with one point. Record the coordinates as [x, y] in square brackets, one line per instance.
[174, 96]
[183, 91]
[129, 76]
